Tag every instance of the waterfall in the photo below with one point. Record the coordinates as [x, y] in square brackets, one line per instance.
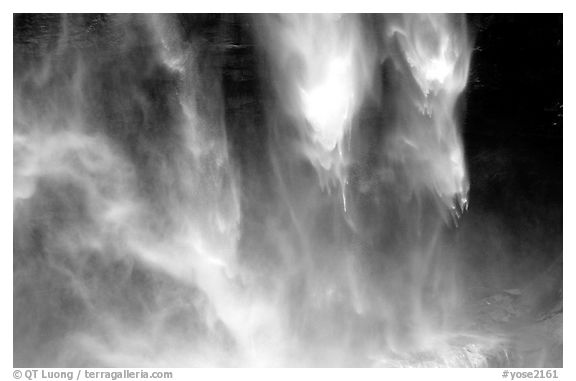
[188, 195]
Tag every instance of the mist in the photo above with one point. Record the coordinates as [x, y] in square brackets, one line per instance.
[271, 191]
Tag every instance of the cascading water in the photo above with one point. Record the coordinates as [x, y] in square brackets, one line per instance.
[374, 279]
[164, 217]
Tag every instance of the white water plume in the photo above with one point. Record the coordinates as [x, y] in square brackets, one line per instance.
[432, 55]
[323, 69]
